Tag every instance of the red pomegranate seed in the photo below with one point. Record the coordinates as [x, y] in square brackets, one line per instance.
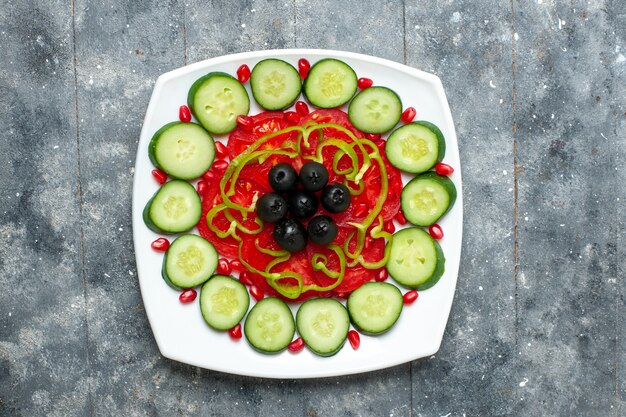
[436, 231]
[221, 151]
[373, 136]
[408, 115]
[159, 175]
[368, 242]
[360, 210]
[245, 122]
[354, 339]
[303, 67]
[292, 116]
[399, 217]
[236, 265]
[245, 279]
[256, 293]
[201, 186]
[235, 332]
[188, 296]
[243, 73]
[220, 165]
[364, 83]
[443, 169]
[389, 227]
[209, 175]
[382, 275]
[161, 244]
[302, 108]
[296, 346]
[184, 114]
[223, 267]
[410, 296]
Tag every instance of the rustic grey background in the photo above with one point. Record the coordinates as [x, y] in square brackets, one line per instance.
[538, 93]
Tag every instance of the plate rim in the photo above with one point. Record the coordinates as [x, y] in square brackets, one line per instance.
[433, 79]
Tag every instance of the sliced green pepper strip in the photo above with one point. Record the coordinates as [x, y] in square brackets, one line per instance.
[321, 266]
[270, 252]
[232, 228]
[241, 227]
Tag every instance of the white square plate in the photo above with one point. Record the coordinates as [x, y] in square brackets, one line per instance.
[179, 329]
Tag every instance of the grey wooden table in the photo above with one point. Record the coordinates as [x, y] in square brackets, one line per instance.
[538, 93]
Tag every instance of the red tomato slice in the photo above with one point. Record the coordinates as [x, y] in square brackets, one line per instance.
[262, 124]
[225, 246]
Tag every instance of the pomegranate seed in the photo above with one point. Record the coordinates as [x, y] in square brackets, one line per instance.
[245, 279]
[382, 275]
[159, 175]
[373, 136]
[223, 267]
[443, 169]
[236, 265]
[235, 332]
[410, 296]
[220, 165]
[368, 242]
[389, 227]
[361, 209]
[408, 115]
[209, 175]
[243, 74]
[380, 144]
[364, 83]
[354, 339]
[399, 217]
[188, 296]
[303, 67]
[302, 108]
[184, 114]
[221, 151]
[296, 346]
[201, 186]
[245, 122]
[292, 116]
[436, 231]
[256, 293]
[161, 244]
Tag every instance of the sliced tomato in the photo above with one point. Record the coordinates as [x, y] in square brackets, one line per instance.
[262, 124]
[225, 246]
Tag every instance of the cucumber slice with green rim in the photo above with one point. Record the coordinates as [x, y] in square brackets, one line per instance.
[216, 100]
[189, 261]
[182, 150]
[275, 84]
[375, 110]
[427, 197]
[375, 307]
[416, 147]
[223, 302]
[415, 259]
[174, 208]
[331, 83]
[323, 323]
[269, 327]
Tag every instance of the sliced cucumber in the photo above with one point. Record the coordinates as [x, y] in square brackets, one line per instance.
[375, 110]
[269, 326]
[275, 84]
[189, 262]
[174, 208]
[415, 259]
[375, 307]
[216, 100]
[416, 147]
[330, 83]
[427, 197]
[182, 150]
[323, 323]
[223, 302]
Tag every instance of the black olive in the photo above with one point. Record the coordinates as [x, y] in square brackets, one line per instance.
[283, 178]
[322, 230]
[271, 207]
[335, 198]
[313, 176]
[302, 204]
[291, 235]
